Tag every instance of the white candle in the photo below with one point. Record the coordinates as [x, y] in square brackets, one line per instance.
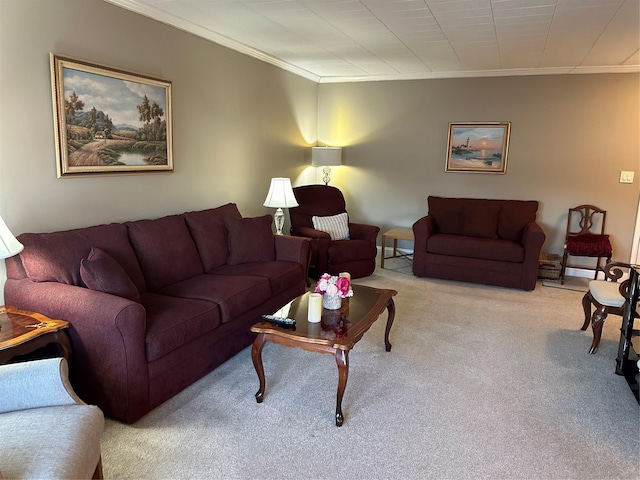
[314, 314]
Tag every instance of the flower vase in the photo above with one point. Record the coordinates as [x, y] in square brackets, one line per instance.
[331, 302]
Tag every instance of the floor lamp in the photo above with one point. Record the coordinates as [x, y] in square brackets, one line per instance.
[326, 157]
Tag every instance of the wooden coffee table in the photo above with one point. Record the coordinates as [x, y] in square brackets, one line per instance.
[337, 333]
[23, 332]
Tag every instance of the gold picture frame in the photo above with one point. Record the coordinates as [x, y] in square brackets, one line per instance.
[478, 147]
[109, 121]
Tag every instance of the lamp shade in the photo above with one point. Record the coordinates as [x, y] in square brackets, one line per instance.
[280, 194]
[326, 156]
[9, 245]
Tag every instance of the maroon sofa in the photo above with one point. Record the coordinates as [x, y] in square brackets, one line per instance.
[154, 305]
[493, 242]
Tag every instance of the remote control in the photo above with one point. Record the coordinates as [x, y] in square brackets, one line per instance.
[287, 322]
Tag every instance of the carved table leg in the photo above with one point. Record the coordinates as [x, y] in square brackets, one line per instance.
[586, 306]
[342, 359]
[391, 308]
[597, 321]
[256, 356]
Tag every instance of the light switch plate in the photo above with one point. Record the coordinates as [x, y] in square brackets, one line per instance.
[626, 177]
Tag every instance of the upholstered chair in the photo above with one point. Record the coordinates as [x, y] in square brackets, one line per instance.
[607, 296]
[337, 245]
[46, 430]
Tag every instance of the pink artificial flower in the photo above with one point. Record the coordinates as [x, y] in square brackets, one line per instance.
[343, 286]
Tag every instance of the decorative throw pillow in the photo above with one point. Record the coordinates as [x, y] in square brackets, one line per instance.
[100, 272]
[250, 240]
[335, 225]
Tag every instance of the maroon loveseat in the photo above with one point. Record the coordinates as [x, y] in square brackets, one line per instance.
[154, 305]
[493, 242]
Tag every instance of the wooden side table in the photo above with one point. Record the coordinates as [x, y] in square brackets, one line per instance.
[23, 332]
[397, 233]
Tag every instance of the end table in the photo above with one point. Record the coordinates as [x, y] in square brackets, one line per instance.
[23, 332]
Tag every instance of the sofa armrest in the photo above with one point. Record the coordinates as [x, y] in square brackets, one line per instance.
[310, 232]
[532, 240]
[361, 231]
[292, 249]
[109, 365]
[423, 228]
[35, 384]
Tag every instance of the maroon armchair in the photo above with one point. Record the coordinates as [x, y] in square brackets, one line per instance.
[325, 205]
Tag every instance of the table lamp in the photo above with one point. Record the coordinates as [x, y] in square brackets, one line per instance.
[9, 245]
[280, 196]
[326, 157]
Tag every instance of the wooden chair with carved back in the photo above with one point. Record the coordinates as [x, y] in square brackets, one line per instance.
[585, 237]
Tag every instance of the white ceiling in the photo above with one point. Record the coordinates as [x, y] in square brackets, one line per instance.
[355, 40]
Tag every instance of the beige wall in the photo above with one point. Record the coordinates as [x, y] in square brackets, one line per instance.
[571, 135]
[237, 121]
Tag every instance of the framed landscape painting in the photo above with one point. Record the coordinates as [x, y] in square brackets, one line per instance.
[109, 121]
[477, 147]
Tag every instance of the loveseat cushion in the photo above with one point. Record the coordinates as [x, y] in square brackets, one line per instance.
[250, 240]
[471, 247]
[481, 221]
[233, 294]
[173, 321]
[448, 214]
[165, 249]
[514, 216]
[56, 257]
[99, 271]
[281, 275]
[451, 216]
[209, 232]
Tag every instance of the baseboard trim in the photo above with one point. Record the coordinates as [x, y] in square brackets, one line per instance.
[570, 272]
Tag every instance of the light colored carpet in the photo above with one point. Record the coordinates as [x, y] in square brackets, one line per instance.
[481, 383]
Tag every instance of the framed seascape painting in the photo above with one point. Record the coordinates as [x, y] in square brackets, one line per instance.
[477, 147]
[109, 121]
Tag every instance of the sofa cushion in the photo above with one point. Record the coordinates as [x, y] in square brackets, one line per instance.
[282, 275]
[233, 294]
[341, 252]
[250, 240]
[209, 232]
[448, 214]
[337, 226]
[481, 221]
[472, 247]
[514, 216]
[173, 321]
[165, 249]
[99, 271]
[56, 257]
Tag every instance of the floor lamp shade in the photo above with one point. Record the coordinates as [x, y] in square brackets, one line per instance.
[280, 196]
[326, 157]
[9, 245]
